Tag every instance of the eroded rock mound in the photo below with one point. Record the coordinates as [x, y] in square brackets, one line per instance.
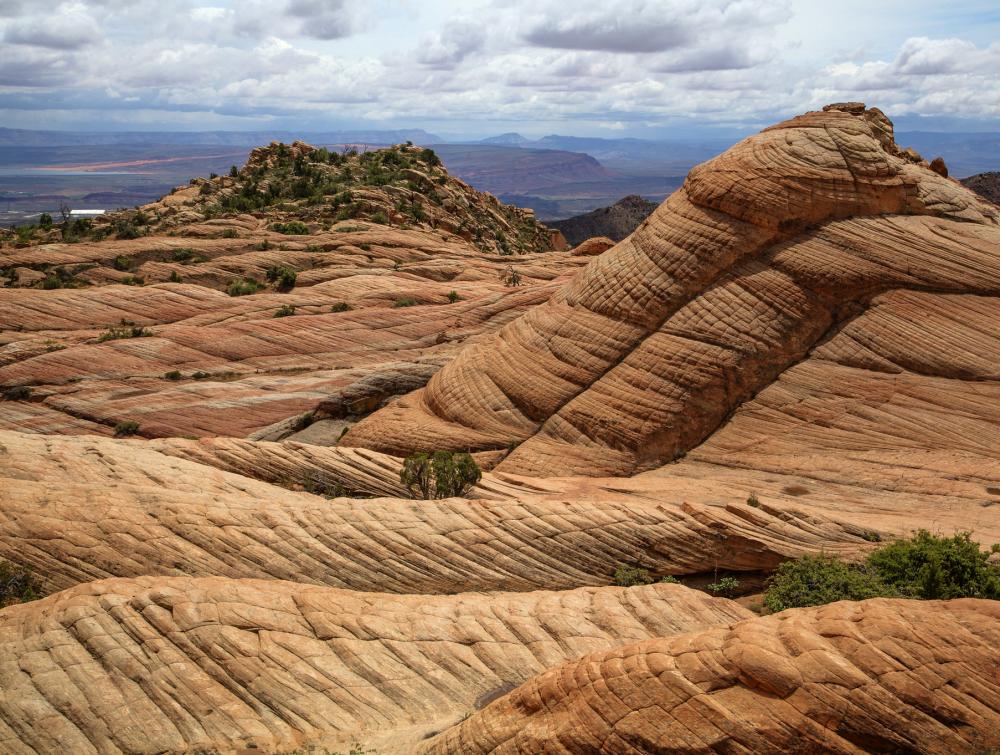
[82, 508]
[181, 665]
[761, 255]
[877, 676]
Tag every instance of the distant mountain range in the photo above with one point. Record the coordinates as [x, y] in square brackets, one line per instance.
[557, 176]
[26, 138]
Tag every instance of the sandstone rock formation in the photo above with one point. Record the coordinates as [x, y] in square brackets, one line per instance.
[796, 354]
[185, 665]
[765, 252]
[82, 508]
[876, 676]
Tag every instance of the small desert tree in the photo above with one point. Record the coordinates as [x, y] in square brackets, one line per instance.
[442, 474]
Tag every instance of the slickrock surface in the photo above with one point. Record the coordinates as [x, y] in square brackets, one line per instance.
[166, 665]
[877, 676]
[797, 353]
[83, 508]
[255, 369]
[763, 253]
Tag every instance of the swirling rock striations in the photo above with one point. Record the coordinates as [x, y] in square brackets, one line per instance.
[876, 676]
[758, 257]
[156, 665]
[82, 508]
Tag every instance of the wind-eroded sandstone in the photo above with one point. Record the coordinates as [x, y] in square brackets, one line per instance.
[761, 255]
[876, 676]
[84, 508]
[154, 665]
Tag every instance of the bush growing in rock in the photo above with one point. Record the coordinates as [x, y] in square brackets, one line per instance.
[282, 276]
[630, 576]
[292, 228]
[925, 566]
[124, 329]
[242, 287]
[17, 393]
[17, 584]
[442, 474]
[126, 428]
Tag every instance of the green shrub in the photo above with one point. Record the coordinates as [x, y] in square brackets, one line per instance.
[172, 375]
[631, 576]
[406, 301]
[17, 393]
[753, 501]
[442, 474]
[380, 217]
[816, 580]
[45, 221]
[17, 585]
[175, 277]
[430, 157]
[242, 287]
[134, 280]
[285, 310]
[199, 375]
[125, 229]
[292, 228]
[182, 255]
[124, 329]
[264, 246]
[930, 567]
[230, 233]
[282, 276]
[510, 277]
[126, 428]
[727, 587]
[340, 306]
[234, 172]
[453, 296]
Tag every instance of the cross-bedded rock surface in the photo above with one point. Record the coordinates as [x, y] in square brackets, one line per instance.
[876, 676]
[179, 664]
[765, 252]
[812, 319]
[78, 509]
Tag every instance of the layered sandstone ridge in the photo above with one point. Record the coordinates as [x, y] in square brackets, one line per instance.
[181, 664]
[76, 509]
[876, 676]
[761, 254]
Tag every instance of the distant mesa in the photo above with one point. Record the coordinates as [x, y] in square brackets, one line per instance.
[510, 139]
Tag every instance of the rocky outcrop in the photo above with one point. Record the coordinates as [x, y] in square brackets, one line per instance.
[616, 222]
[184, 665]
[986, 185]
[763, 254]
[877, 676]
[82, 508]
[212, 364]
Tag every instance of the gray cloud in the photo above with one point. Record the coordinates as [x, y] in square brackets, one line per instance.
[69, 31]
[610, 33]
[323, 19]
[452, 45]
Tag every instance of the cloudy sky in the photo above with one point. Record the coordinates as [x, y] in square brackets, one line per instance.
[604, 68]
